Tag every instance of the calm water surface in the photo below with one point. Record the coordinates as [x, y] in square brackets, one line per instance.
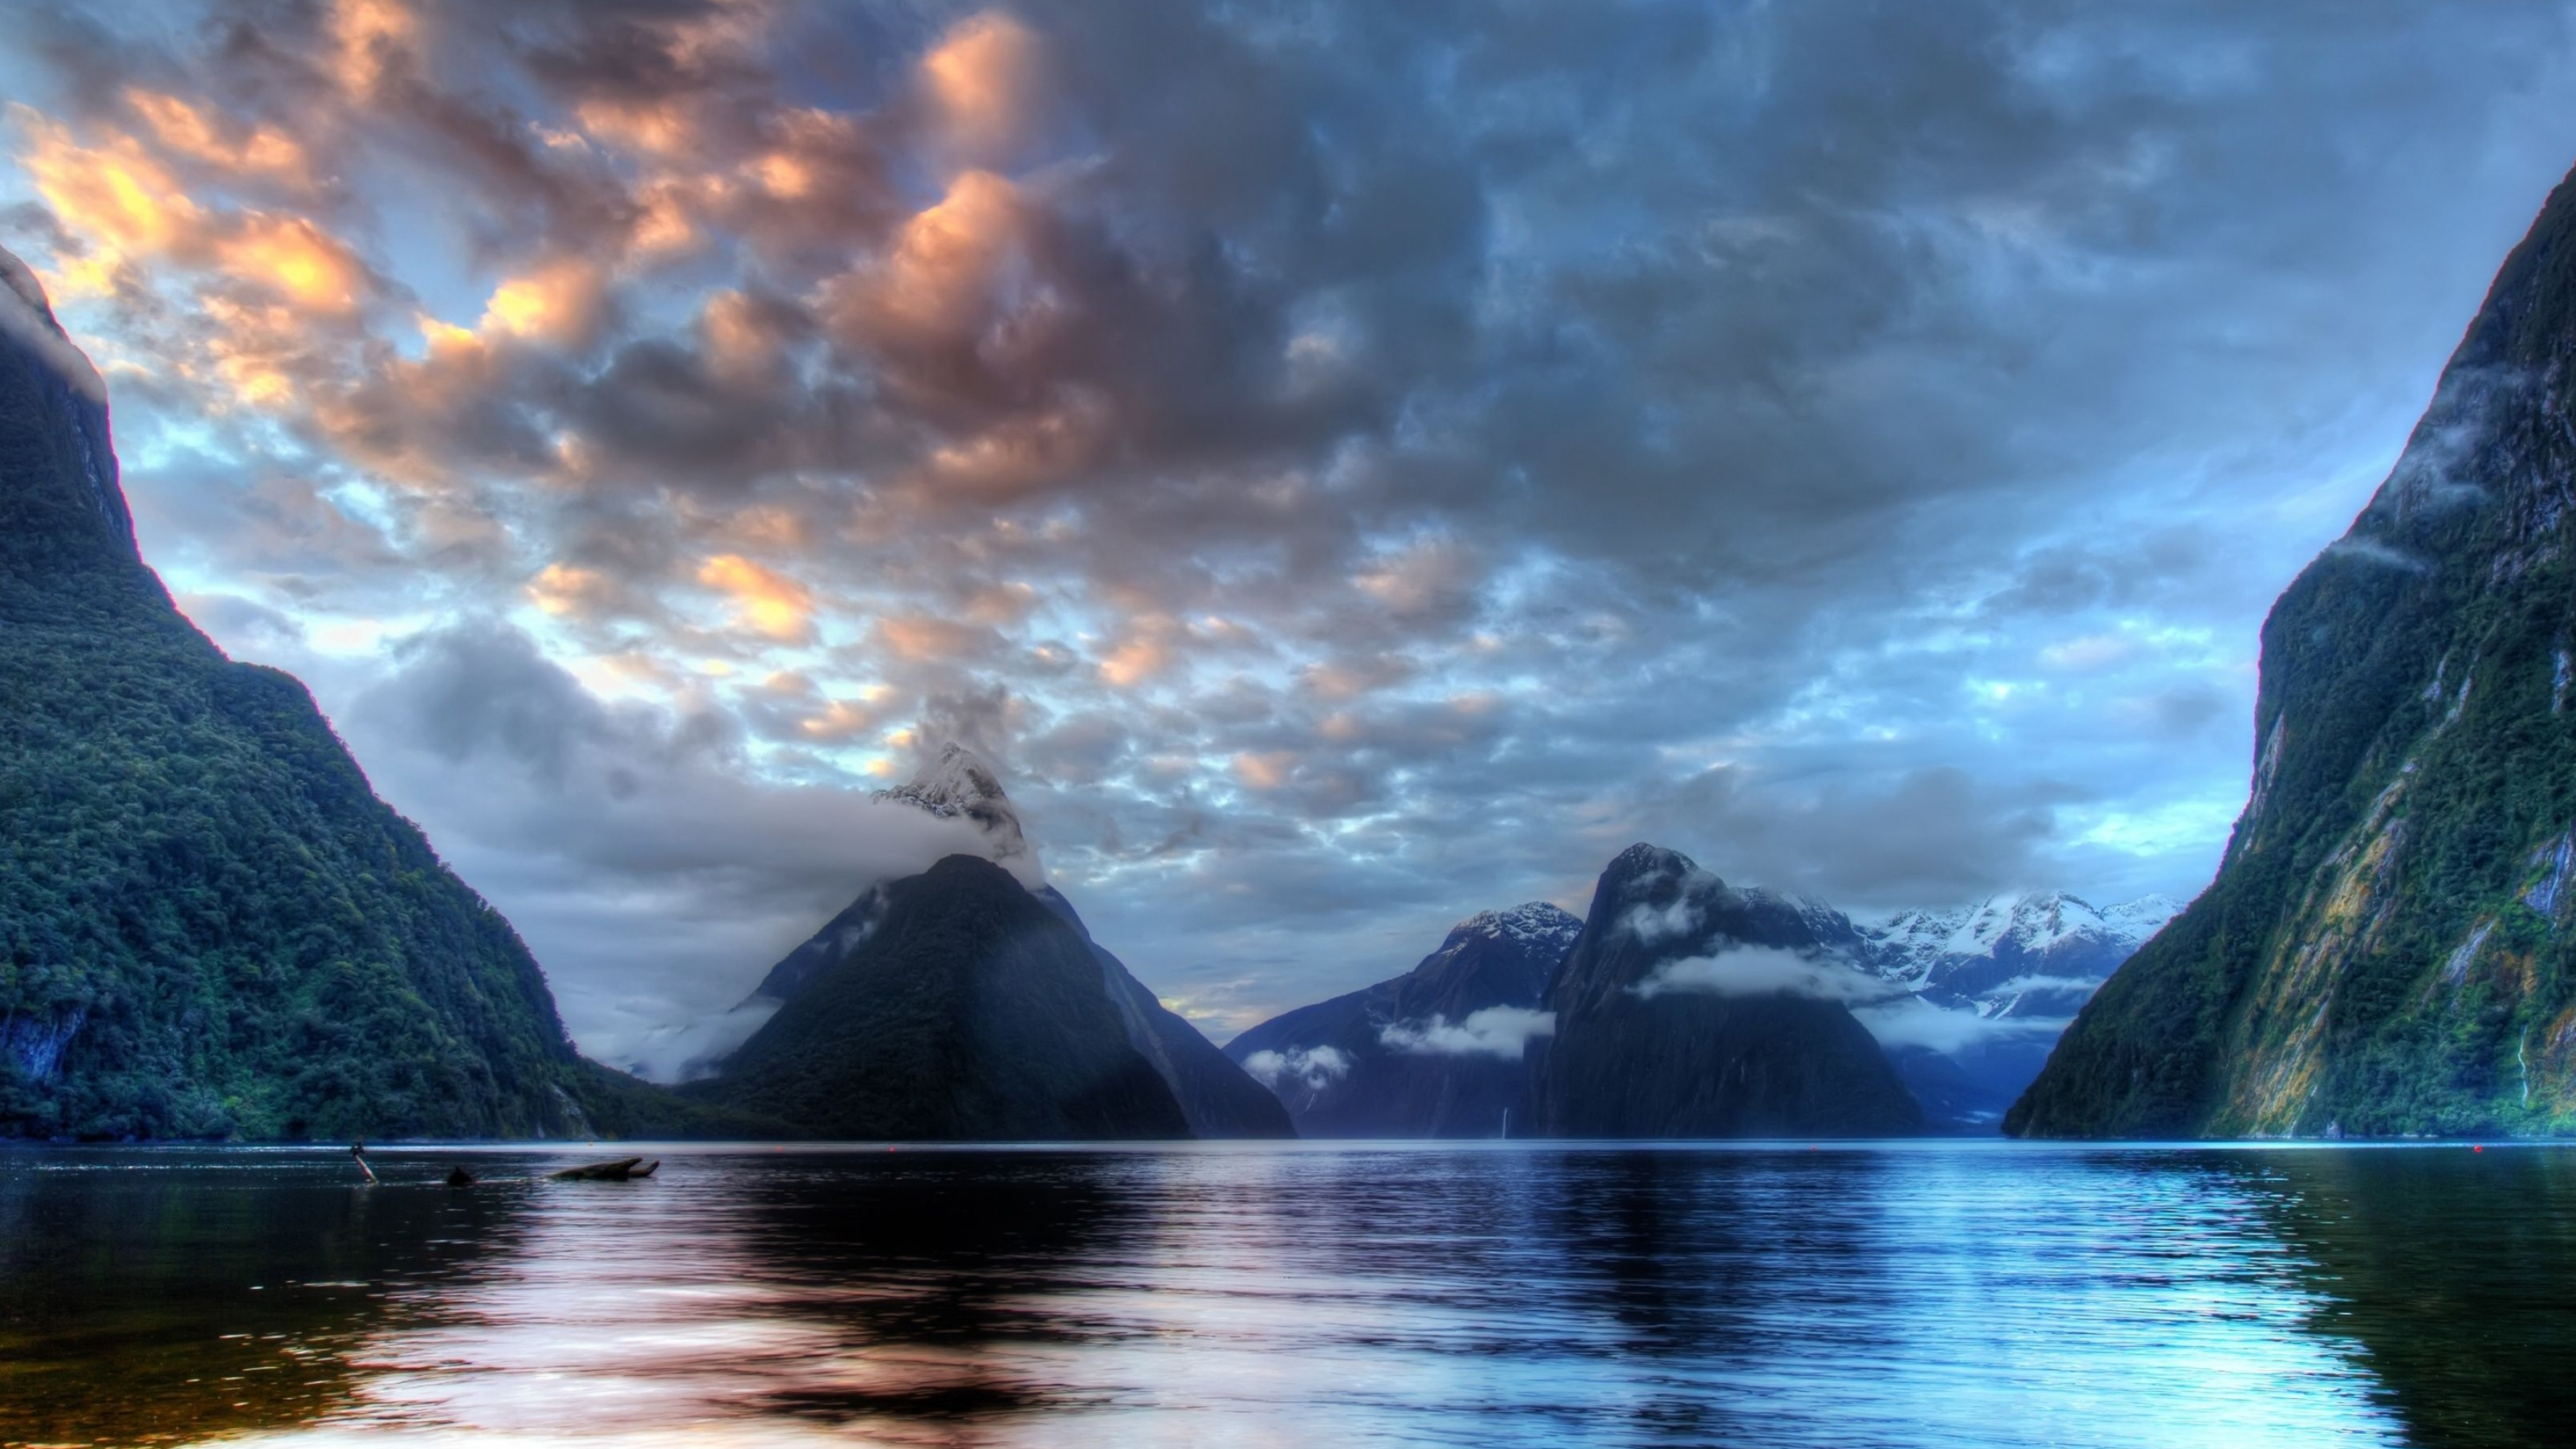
[1904, 1294]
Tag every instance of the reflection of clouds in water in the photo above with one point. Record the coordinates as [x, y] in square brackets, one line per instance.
[1916, 1294]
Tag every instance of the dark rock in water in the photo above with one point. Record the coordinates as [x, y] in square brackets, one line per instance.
[2389, 946]
[970, 1013]
[1688, 1008]
[1437, 1052]
[212, 927]
[624, 1169]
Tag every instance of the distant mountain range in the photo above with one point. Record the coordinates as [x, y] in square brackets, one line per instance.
[1963, 1003]
[1990, 988]
[1436, 1052]
[2390, 945]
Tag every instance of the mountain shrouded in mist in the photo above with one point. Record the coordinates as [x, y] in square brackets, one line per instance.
[1965, 1001]
[2387, 948]
[1989, 988]
[1437, 1052]
[209, 925]
[971, 1012]
[992, 977]
[1688, 1008]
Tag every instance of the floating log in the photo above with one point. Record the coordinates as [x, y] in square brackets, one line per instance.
[622, 1170]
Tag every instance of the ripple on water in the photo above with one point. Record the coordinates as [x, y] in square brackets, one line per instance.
[1927, 1294]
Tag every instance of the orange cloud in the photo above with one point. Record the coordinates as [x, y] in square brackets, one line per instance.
[1027, 451]
[115, 197]
[659, 128]
[560, 302]
[1001, 604]
[840, 720]
[924, 637]
[769, 602]
[985, 75]
[938, 280]
[182, 128]
[737, 344]
[368, 37]
[1134, 662]
[567, 591]
[1265, 769]
[295, 257]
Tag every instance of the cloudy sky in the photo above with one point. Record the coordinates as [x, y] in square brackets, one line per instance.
[1349, 465]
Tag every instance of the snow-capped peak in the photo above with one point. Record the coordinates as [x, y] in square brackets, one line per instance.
[958, 782]
[2144, 916]
[1537, 925]
[2063, 931]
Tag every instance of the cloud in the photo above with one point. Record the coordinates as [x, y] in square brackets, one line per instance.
[1910, 1021]
[1762, 971]
[1652, 925]
[1313, 1069]
[1346, 472]
[572, 815]
[763, 598]
[1496, 1031]
[2371, 551]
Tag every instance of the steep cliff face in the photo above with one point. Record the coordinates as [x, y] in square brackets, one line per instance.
[970, 1013]
[1218, 1097]
[209, 924]
[2386, 948]
[1688, 1008]
[1440, 1051]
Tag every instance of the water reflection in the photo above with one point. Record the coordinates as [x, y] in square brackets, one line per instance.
[2452, 1269]
[155, 1296]
[1912, 1294]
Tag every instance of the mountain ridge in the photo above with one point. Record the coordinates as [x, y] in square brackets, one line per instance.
[2385, 950]
[210, 926]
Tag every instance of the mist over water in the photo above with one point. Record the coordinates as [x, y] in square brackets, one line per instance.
[1932, 1293]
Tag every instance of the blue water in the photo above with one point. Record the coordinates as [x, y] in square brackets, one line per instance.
[1927, 1293]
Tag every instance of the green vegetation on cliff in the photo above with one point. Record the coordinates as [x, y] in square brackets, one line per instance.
[209, 924]
[2390, 945]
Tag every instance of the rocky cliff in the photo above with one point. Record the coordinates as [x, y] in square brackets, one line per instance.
[1688, 1008]
[209, 924]
[2386, 949]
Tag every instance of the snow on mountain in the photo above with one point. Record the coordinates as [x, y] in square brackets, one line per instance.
[958, 783]
[1990, 988]
[1994, 955]
[1533, 925]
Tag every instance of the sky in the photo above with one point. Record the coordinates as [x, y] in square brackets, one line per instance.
[1346, 465]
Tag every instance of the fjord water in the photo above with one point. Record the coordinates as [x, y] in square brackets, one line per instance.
[1921, 1293]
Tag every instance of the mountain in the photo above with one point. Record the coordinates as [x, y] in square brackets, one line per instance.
[209, 924]
[1219, 1098]
[2020, 954]
[1436, 1052]
[1989, 989]
[1688, 1008]
[971, 1012]
[2386, 948]
[1216, 1097]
